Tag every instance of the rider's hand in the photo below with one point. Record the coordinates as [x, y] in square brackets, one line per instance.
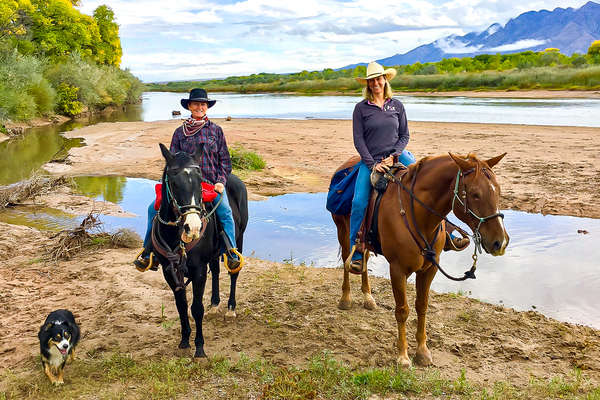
[219, 187]
[388, 161]
[381, 167]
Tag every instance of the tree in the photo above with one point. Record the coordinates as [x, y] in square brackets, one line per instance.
[58, 29]
[594, 52]
[109, 49]
[11, 17]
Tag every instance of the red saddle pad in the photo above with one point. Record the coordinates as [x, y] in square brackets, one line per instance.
[208, 194]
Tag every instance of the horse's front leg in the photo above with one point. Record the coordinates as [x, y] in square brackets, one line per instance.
[181, 304]
[423, 282]
[231, 304]
[369, 301]
[199, 283]
[398, 279]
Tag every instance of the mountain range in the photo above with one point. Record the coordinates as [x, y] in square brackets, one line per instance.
[567, 29]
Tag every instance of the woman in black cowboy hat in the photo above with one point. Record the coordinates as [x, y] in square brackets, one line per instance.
[199, 132]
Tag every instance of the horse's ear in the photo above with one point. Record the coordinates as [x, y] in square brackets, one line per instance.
[462, 163]
[198, 153]
[166, 153]
[493, 161]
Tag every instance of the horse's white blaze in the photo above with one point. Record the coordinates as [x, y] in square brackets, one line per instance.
[493, 188]
[192, 221]
[501, 222]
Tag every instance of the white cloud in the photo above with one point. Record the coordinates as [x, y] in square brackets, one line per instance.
[160, 38]
[453, 45]
[521, 44]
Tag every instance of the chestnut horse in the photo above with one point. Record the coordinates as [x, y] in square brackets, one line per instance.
[411, 211]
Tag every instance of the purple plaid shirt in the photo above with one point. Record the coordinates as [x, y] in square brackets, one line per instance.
[215, 162]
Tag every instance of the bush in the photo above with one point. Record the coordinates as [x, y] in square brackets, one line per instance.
[245, 159]
[67, 102]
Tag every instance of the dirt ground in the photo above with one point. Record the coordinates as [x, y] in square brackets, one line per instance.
[288, 313]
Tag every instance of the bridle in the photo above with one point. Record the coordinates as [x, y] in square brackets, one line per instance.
[177, 256]
[183, 211]
[476, 235]
[427, 250]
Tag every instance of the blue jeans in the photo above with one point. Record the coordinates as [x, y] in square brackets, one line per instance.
[223, 212]
[362, 190]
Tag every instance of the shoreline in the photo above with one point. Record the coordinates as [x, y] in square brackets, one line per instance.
[543, 165]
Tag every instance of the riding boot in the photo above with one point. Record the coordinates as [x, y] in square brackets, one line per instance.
[454, 242]
[232, 256]
[146, 260]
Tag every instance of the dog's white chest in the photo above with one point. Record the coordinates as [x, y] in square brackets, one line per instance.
[56, 357]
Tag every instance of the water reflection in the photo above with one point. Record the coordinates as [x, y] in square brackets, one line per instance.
[548, 265]
[109, 188]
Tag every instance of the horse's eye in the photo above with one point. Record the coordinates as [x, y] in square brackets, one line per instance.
[476, 196]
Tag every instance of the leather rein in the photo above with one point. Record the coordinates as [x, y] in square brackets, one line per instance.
[177, 256]
[427, 249]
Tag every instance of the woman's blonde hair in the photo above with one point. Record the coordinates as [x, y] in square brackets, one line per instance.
[387, 92]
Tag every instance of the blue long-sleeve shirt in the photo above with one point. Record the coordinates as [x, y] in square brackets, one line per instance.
[378, 132]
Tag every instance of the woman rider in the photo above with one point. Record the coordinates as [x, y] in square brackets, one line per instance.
[214, 163]
[380, 132]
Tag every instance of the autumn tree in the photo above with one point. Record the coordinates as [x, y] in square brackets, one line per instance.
[109, 49]
[594, 52]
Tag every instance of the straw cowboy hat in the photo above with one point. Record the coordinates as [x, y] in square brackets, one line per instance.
[374, 70]
[197, 95]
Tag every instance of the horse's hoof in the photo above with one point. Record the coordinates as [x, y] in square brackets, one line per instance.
[423, 358]
[199, 354]
[404, 362]
[184, 345]
[345, 304]
[230, 315]
[369, 302]
[212, 312]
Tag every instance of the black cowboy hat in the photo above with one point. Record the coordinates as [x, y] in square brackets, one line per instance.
[198, 95]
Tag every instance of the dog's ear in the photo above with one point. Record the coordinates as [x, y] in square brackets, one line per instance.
[44, 328]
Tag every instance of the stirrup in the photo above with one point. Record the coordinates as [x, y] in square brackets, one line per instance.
[140, 263]
[456, 244]
[351, 266]
[236, 269]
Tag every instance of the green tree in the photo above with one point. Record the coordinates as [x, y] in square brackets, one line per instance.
[11, 17]
[594, 52]
[58, 29]
[109, 49]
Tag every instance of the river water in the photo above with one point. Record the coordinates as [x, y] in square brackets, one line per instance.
[548, 266]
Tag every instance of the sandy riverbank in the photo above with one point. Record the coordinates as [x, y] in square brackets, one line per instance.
[543, 166]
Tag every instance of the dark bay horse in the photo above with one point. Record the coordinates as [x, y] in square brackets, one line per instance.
[465, 185]
[183, 222]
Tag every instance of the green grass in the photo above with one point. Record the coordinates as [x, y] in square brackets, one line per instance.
[243, 159]
[120, 376]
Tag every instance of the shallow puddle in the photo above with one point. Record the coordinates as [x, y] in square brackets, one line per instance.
[548, 266]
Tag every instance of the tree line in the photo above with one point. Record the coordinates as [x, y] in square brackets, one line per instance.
[55, 59]
[523, 70]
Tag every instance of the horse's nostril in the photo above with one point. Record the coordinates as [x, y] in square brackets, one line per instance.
[186, 228]
[497, 245]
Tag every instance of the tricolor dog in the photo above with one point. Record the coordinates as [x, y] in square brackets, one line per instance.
[58, 337]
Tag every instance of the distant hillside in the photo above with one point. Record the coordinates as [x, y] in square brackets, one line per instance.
[570, 30]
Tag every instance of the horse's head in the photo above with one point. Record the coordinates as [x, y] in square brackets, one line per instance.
[182, 179]
[476, 199]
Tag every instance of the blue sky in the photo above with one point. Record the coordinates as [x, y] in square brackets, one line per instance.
[199, 39]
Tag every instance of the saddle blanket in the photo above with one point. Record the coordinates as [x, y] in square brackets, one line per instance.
[208, 194]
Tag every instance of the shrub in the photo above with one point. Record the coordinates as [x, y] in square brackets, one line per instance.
[245, 159]
[67, 102]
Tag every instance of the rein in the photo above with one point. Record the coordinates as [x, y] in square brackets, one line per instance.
[428, 251]
[178, 256]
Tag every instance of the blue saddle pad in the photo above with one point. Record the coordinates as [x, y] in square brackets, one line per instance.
[341, 191]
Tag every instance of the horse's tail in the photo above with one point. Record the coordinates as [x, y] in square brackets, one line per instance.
[238, 201]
